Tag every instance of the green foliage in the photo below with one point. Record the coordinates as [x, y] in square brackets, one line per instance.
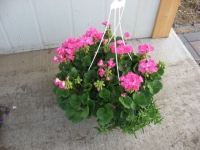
[140, 99]
[85, 93]
[104, 115]
[104, 93]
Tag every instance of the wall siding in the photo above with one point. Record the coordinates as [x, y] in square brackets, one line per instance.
[27, 25]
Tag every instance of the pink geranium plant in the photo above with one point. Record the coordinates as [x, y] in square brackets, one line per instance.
[118, 92]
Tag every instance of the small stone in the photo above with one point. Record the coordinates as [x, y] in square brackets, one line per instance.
[14, 107]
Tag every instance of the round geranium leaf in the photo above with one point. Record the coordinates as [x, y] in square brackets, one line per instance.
[91, 104]
[126, 102]
[77, 117]
[105, 115]
[109, 106]
[55, 89]
[86, 60]
[89, 76]
[87, 86]
[140, 99]
[84, 98]
[69, 112]
[155, 86]
[62, 92]
[104, 93]
[73, 73]
[75, 102]
[161, 71]
[85, 112]
[63, 103]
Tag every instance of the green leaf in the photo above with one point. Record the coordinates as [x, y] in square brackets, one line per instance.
[104, 115]
[155, 86]
[55, 89]
[109, 106]
[130, 111]
[104, 93]
[62, 92]
[84, 98]
[160, 71]
[63, 103]
[69, 112]
[86, 60]
[114, 79]
[85, 112]
[126, 102]
[77, 117]
[73, 73]
[87, 86]
[61, 66]
[79, 55]
[75, 102]
[91, 104]
[89, 76]
[148, 96]
[140, 99]
[60, 76]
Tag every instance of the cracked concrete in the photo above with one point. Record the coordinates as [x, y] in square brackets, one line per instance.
[38, 123]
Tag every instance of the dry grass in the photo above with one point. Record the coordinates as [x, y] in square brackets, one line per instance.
[188, 12]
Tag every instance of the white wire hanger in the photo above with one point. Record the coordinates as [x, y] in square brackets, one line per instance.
[115, 5]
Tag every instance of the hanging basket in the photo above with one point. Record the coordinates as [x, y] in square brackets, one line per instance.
[83, 90]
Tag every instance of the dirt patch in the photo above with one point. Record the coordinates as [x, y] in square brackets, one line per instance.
[188, 15]
[188, 12]
[182, 30]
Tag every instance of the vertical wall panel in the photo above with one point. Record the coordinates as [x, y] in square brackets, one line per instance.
[40, 24]
[5, 43]
[146, 18]
[54, 20]
[86, 14]
[18, 21]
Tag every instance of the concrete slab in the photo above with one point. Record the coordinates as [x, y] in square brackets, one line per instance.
[192, 36]
[196, 46]
[38, 123]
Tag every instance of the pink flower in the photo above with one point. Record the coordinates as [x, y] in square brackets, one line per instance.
[123, 94]
[71, 57]
[131, 81]
[107, 78]
[101, 72]
[98, 36]
[145, 48]
[121, 49]
[111, 64]
[128, 49]
[100, 63]
[105, 23]
[56, 81]
[126, 34]
[62, 84]
[55, 59]
[120, 42]
[148, 66]
[69, 51]
[105, 41]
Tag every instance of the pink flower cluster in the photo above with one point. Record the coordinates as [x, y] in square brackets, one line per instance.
[149, 66]
[71, 45]
[60, 83]
[145, 48]
[131, 81]
[110, 64]
[121, 48]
